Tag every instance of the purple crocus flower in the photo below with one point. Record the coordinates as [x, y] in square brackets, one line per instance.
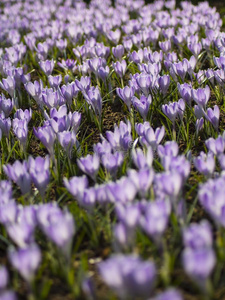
[5, 191]
[34, 90]
[205, 164]
[4, 277]
[171, 110]
[112, 162]
[128, 276]
[60, 229]
[95, 63]
[6, 105]
[185, 92]
[128, 214]
[52, 98]
[76, 185]
[69, 91]
[216, 146]
[144, 83]
[120, 68]
[8, 84]
[199, 125]
[83, 84]
[93, 97]
[155, 219]
[142, 105]
[47, 66]
[165, 46]
[123, 190]
[169, 149]
[180, 69]
[126, 95]
[195, 48]
[121, 138]
[89, 165]
[21, 233]
[142, 160]
[201, 96]
[169, 294]
[8, 212]
[23, 114]
[169, 184]
[137, 56]
[26, 261]
[20, 128]
[152, 137]
[55, 81]
[220, 77]
[198, 236]
[124, 236]
[209, 73]
[178, 164]
[39, 171]
[114, 36]
[118, 51]
[18, 172]
[213, 116]
[67, 140]
[47, 136]
[164, 83]
[199, 112]
[211, 198]
[88, 199]
[103, 73]
[8, 295]
[199, 264]
[142, 180]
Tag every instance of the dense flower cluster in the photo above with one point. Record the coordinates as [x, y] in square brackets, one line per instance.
[71, 184]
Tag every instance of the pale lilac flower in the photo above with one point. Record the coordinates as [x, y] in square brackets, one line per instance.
[198, 236]
[164, 83]
[55, 81]
[47, 66]
[201, 96]
[213, 116]
[142, 159]
[4, 277]
[67, 140]
[123, 190]
[216, 146]
[142, 105]
[18, 172]
[120, 68]
[128, 276]
[76, 185]
[155, 219]
[26, 261]
[89, 165]
[8, 84]
[205, 164]
[169, 294]
[112, 162]
[118, 51]
[199, 263]
[142, 180]
[126, 94]
[93, 97]
[39, 171]
[169, 149]
[47, 136]
[152, 137]
[185, 92]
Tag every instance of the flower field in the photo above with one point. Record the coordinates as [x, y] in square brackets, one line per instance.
[112, 143]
